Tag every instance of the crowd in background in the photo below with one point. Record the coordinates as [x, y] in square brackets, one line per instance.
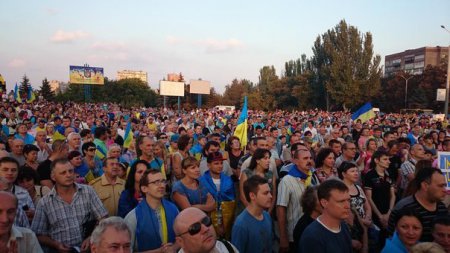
[305, 180]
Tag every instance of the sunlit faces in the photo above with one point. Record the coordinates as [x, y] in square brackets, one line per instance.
[192, 171]
[329, 160]
[146, 146]
[441, 235]
[436, 190]
[383, 162]
[9, 171]
[215, 167]
[351, 174]
[8, 210]
[113, 240]
[76, 161]
[63, 174]
[303, 160]
[112, 167]
[263, 197]
[338, 204]
[409, 230]
[264, 162]
[156, 187]
[203, 241]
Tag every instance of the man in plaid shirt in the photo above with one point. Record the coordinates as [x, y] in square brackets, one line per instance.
[65, 217]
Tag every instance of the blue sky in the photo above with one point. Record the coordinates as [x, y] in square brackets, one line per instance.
[213, 40]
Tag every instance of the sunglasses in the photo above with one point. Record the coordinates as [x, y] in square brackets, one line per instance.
[196, 227]
[92, 149]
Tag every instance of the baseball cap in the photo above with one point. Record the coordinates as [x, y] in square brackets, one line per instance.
[216, 156]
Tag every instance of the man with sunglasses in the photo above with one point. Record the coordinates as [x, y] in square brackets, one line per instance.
[109, 186]
[195, 233]
[151, 222]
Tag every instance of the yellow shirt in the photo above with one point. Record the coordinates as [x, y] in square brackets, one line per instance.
[109, 194]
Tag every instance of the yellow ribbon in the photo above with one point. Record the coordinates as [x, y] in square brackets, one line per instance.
[165, 234]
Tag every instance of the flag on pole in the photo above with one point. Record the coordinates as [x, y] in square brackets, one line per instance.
[128, 136]
[241, 128]
[364, 113]
[30, 96]
[17, 94]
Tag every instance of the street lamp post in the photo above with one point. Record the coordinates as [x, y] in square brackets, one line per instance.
[406, 88]
[448, 74]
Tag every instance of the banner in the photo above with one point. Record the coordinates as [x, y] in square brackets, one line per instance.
[86, 75]
[444, 165]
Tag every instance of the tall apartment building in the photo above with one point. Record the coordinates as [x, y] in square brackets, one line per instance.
[127, 74]
[414, 61]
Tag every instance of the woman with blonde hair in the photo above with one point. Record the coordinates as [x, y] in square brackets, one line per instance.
[189, 192]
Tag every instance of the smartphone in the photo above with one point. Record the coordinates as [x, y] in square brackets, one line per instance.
[25, 207]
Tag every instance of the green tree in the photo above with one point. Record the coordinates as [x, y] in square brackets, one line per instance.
[24, 87]
[235, 91]
[349, 68]
[46, 91]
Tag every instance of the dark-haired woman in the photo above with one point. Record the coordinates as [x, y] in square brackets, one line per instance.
[131, 195]
[259, 165]
[324, 164]
[408, 229]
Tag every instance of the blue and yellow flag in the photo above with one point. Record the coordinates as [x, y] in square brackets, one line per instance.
[364, 113]
[17, 94]
[241, 128]
[128, 137]
[30, 96]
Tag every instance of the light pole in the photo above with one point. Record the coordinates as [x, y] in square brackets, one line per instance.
[406, 88]
[448, 74]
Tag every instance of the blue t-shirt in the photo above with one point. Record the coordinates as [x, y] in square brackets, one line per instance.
[195, 197]
[252, 235]
[318, 239]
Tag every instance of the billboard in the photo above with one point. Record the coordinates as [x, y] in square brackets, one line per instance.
[167, 88]
[86, 75]
[444, 165]
[440, 96]
[200, 87]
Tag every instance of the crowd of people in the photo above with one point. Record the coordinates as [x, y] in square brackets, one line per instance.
[305, 181]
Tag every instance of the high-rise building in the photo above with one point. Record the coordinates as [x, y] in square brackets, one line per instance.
[174, 77]
[414, 61]
[127, 74]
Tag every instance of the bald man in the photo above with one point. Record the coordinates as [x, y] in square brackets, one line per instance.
[195, 233]
[12, 238]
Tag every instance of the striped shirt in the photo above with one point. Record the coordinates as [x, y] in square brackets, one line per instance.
[290, 191]
[408, 167]
[63, 222]
[426, 216]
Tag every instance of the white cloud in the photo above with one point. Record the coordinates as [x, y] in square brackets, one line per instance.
[17, 63]
[108, 46]
[217, 46]
[62, 36]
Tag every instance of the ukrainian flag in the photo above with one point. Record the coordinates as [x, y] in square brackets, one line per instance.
[17, 94]
[364, 113]
[31, 96]
[128, 137]
[241, 128]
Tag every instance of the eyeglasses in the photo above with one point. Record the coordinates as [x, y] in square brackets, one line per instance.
[92, 149]
[196, 227]
[159, 182]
